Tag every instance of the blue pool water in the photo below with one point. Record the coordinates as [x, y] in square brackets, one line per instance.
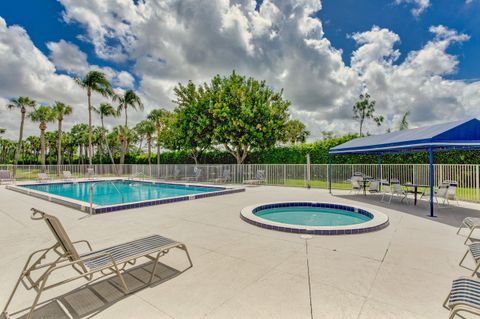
[104, 193]
[312, 216]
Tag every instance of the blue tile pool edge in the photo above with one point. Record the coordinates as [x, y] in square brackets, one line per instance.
[299, 230]
[111, 208]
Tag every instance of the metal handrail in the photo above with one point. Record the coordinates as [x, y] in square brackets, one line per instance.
[95, 184]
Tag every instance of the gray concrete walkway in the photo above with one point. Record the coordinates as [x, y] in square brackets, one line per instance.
[241, 271]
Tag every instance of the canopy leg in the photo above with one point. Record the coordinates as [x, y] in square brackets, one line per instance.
[330, 173]
[432, 180]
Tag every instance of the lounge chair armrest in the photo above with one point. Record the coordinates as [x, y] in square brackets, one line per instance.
[86, 242]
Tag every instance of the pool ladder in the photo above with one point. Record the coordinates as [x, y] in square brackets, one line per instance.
[92, 186]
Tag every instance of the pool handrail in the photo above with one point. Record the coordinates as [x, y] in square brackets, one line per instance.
[92, 185]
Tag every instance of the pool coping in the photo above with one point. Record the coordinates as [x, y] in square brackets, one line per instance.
[379, 220]
[100, 209]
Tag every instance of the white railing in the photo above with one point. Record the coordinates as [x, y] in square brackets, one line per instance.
[467, 175]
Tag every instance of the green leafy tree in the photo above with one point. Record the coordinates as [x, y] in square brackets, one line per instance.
[129, 98]
[42, 115]
[94, 81]
[193, 121]
[403, 125]
[364, 109]
[159, 117]
[247, 114]
[21, 103]
[80, 133]
[106, 110]
[61, 110]
[295, 131]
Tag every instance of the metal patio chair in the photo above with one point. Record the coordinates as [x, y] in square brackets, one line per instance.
[463, 297]
[108, 261]
[259, 178]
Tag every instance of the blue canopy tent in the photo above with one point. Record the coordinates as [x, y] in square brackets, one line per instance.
[459, 135]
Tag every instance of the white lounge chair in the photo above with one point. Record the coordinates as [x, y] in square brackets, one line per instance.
[43, 177]
[463, 297]
[5, 176]
[471, 223]
[67, 175]
[374, 187]
[259, 178]
[197, 173]
[474, 250]
[226, 177]
[90, 173]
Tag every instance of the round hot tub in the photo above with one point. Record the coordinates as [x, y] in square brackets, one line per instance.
[314, 218]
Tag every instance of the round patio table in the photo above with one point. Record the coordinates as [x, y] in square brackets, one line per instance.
[415, 190]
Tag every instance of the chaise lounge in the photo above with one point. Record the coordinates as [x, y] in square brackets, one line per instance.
[108, 261]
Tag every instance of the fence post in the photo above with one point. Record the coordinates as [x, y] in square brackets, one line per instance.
[476, 183]
[284, 174]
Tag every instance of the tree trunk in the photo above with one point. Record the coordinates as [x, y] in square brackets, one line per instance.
[104, 137]
[126, 116]
[149, 143]
[89, 95]
[361, 126]
[42, 146]
[59, 147]
[158, 153]
[19, 145]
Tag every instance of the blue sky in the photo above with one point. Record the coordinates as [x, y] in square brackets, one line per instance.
[410, 55]
[340, 19]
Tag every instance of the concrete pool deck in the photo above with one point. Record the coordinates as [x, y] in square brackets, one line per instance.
[243, 271]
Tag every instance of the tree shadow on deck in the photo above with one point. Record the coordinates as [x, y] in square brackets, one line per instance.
[94, 297]
[451, 215]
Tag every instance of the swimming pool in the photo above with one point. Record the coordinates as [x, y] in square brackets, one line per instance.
[314, 218]
[112, 195]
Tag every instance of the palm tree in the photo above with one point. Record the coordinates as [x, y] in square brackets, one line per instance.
[42, 114]
[94, 81]
[158, 117]
[106, 110]
[147, 128]
[129, 98]
[61, 110]
[22, 102]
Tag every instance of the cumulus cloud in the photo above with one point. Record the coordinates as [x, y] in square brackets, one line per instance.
[280, 41]
[419, 5]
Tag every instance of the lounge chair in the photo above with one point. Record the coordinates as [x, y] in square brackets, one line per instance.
[259, 178]
[464, 296]
[176, 174]
[197, 173]
[474, 250]
[374, 187]
[6, 177]
[226, 177]
[43, 177]
[67, 175]
[106, 262]
[471, 223]
[90, 173]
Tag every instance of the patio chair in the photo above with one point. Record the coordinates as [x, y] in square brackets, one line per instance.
[398, 190]
[108, 261]
[226, 177]
[355, 181]
[43, 177]
[471, 223]
[90, 173]
[441, 194]
[452, 192]
[464, 296]
[67, 175]
[259, 178]
[474, 250]
[5, 176]
[374, 187]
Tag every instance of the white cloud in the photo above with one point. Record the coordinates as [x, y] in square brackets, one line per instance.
[420, 5]
[282, 42]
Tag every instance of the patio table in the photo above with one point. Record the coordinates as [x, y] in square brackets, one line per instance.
[415, 190]
[364, 183]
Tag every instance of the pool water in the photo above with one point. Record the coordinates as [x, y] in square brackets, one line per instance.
[122, 191]
[312, 216]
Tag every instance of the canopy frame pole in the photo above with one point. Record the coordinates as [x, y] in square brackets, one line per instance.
[379, 171]
[432, 181]
[330, 173]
